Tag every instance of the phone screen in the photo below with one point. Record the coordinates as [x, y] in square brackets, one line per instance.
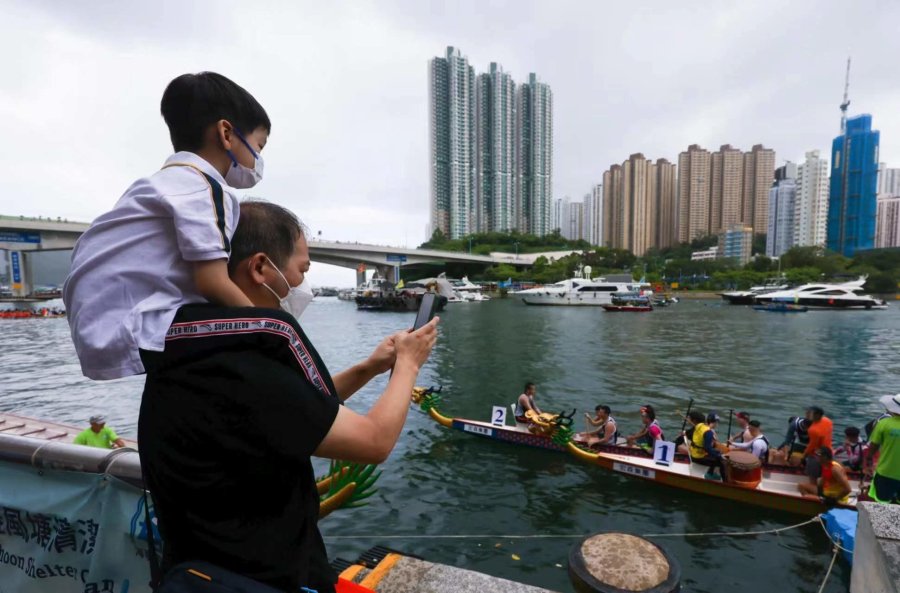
[426, 310]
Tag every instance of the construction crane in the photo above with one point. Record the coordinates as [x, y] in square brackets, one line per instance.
[846, 103]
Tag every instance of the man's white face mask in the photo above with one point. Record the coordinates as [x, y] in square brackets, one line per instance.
[297, 298]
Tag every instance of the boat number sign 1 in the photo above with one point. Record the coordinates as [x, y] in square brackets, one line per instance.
[498, 416]
[478, 429]
[663, 452]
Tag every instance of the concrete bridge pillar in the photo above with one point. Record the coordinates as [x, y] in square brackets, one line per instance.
[19, 273]
[360, 275]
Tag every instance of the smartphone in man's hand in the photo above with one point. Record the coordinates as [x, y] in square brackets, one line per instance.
[427, 309]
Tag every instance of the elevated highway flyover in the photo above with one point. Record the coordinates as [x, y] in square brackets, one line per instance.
[20, 236]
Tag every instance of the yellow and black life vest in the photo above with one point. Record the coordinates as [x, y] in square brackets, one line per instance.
[697, 450]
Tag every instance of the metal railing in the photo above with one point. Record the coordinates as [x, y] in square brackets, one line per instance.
[124, 464]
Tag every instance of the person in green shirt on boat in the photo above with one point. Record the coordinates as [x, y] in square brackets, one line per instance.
[99, 435]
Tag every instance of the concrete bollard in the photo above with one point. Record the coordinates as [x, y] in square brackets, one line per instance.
[618, 562]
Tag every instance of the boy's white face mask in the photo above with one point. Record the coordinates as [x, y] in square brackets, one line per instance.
[297, 298]
[239, 176]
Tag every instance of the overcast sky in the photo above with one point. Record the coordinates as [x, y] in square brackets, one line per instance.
[345, 85]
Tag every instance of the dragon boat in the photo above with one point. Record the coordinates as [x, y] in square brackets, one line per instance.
[769, 486]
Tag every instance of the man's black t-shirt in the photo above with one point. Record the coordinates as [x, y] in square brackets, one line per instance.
[232, 410]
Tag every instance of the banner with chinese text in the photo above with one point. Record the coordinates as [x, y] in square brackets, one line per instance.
[66, 531]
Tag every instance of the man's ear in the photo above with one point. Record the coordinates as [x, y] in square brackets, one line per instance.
[257, 263]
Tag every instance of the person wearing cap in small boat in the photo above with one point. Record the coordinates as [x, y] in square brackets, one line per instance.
[702, 447]
[744, 434]
[885, 441]
[99, 435]
[757, 444]
[832, 485]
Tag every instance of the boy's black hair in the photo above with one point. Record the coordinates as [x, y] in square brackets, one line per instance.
[527, 385]
[265, 228]
[606, 409]
[193, 102]
[851, 431]
[696, 416]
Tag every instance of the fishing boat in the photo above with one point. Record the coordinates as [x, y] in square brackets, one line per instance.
[774, 487]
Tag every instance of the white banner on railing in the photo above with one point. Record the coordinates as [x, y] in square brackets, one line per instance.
[66, 531]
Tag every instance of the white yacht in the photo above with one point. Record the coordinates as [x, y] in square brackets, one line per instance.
[848, 295]
[581, 290]
[748, 297]
[469, 291]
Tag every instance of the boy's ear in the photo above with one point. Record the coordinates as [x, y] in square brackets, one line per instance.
[225, 134]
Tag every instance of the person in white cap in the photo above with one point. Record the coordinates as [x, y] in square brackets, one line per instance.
[886, 439]
[99, 435]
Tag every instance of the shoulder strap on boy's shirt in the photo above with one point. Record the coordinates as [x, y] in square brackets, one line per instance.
[218, 200]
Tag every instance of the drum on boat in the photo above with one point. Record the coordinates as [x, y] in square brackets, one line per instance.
[746, 469]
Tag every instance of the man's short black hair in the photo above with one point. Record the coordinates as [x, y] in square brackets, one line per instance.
[528, 386]
[851, 431]
[696, 416]
[606, 409]
[816, 411]
[193, 102]
[265, 228]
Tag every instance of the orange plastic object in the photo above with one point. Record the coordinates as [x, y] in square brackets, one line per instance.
[345, 586]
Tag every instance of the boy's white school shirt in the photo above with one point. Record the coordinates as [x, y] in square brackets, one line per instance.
[133, 268]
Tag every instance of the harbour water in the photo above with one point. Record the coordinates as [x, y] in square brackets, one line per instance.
[439, 482]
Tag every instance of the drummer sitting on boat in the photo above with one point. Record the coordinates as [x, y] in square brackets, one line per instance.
[703, 449]
[526, 403]
[607, 431]
[649, 433]
[832, 486]
[757, 444]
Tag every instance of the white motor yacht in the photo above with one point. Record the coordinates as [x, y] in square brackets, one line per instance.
[848, 295]
[469, 291]
[748, 297]
[581, 290]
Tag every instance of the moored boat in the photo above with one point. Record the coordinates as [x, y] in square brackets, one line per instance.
[844, 296]
[629, 303]
[781, 307]
[582, 290]
[748, 297]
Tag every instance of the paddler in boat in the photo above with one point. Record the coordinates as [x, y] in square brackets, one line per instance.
[606, 433]
[526, 402]
[790, 451]
[703, 450]
[757, 444]
[649, 432]
[744, 434]
[832, 485]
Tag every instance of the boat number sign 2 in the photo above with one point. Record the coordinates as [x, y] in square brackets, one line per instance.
[483, 430]
[641, 472]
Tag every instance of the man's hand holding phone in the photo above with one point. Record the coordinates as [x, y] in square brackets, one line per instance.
[414, 346]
